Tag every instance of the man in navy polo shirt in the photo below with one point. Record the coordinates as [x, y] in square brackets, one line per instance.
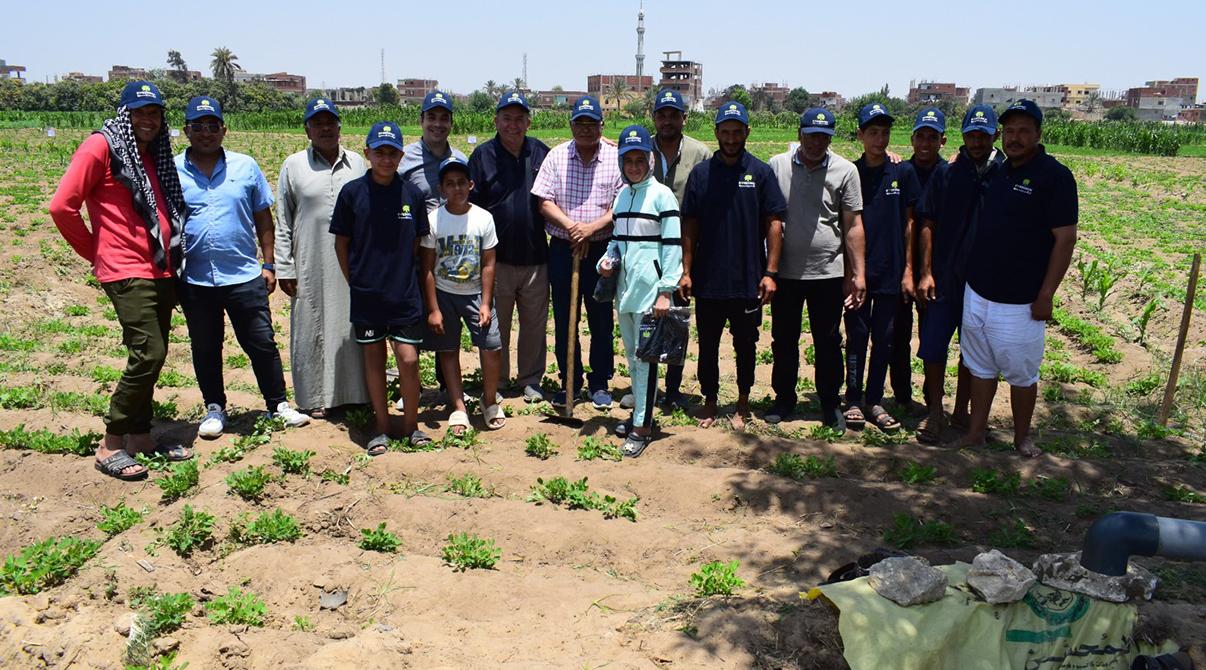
[889, 192]
[378, 221]
[421, 159]
[949, 211]
[229, 206]
[503, 171]
[928, 138]
[733, 213]
[1022, 249]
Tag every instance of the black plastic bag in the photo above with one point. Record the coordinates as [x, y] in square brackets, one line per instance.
[664, 340]
[605, 287]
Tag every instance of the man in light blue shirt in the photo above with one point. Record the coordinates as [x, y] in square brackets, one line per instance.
[422, 158]
[229, 207]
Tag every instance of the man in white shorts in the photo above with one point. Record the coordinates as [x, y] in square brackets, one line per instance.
[1022, 249]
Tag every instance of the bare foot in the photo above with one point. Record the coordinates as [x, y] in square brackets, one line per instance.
[707, 416]
[737, 420]
[1027, 448]
[968, 441]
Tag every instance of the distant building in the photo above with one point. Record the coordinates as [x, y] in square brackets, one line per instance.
[1191, 115]
[83, 78]
[11, 71]
[934, 91]
[281, 81]
[1043, 96]
[776, 94]
[412, 91]
[1161, 108]
[547, 99]
[831, 100]
[352, 96]
[1076, 96]
[1181, 87]
[684, 76]
[602, 86]
[126, 73]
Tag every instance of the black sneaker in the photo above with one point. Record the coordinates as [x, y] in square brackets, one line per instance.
[779, 411]
[832, 417]
[675, 400]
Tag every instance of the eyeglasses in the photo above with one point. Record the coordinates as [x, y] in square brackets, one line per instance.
[205, 127]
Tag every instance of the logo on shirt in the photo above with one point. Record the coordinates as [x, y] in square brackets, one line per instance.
[405, 214]
[1024, 187]
[893, 188]
[747, 182]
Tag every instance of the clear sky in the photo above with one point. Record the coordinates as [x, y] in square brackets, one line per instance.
[848, 46]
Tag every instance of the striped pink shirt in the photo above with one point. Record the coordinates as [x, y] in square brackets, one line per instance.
[584, 191]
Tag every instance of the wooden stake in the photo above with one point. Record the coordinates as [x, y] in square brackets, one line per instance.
[1170, 390]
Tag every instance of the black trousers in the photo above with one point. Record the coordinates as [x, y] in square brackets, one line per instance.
[873, 321]
[247, 306]
[824, 300]
[900, 370]
[743, 318]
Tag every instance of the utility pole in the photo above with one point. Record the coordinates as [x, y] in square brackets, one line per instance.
[382, 65]
[525, 70]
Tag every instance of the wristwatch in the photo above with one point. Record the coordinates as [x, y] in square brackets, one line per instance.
[271, 267]
[768, 273]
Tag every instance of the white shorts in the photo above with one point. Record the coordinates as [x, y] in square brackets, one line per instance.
[998, 339]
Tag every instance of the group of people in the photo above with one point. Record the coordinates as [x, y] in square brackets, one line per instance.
[410, 243]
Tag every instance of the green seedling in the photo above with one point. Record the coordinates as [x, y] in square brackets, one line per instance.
[793, 466]
[468, 552]
[44, 564]
[717, 578]
[194, 530]
[593, 448]
[248, 483]
[359, 417]
[469, 486]
[1015, 535]
[907, 532]
[302, 624]
[116, 520]
[1142, 321]
[988, 481]
[916, 474]
[341, 478]
[267, 528]
[1050, 488]
[379, 539]
[824, 433]
[237, 607]
[1183, 494]
[47, 442]
[466, 440]
[540, 446]
[292, 462]
[180, 479]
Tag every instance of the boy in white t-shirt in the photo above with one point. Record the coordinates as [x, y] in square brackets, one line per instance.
[458, 286]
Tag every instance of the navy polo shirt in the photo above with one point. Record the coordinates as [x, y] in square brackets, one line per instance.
[952, 200]
[889, 190]
[502, 185]
[383, 223]
[924, 174]
[1013, 245]
[730, 202]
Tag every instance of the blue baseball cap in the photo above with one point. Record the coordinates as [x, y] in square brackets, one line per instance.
[981, 118]
[817, 120]
[201, 106]
[635, 138]
[1027, 107]
[872, 112]
[320, 105]
[436, 99]
[512, 98]
[930, 117]
[669, 98]
[452, 163]
[732, 111]
[385, 133]
[588, 107]
[140, 94]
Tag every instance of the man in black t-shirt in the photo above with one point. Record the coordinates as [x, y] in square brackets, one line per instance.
[1025, 240]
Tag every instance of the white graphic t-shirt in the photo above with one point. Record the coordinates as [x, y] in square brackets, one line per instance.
[459, 240]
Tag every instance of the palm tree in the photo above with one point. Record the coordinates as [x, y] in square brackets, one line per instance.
[491, 88]
[617, 90]
[179, 69]
[1092, 101]
[223, 65]
[519, 84]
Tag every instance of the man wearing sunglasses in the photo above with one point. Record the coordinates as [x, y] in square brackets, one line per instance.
[229, 208]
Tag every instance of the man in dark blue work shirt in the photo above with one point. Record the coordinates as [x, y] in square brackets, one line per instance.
[503, 170]
[889, 192]
[732, 214]
[377, 222]
[948, 211]
[1023, 247]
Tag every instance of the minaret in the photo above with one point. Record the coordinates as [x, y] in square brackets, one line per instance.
[640, 54]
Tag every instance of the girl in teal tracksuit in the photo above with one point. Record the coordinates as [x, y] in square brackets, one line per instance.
[647, 238]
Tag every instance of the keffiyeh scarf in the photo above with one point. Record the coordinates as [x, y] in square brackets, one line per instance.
[127, 168]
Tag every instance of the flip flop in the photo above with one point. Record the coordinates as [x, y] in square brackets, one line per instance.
[118, 461]
[634, 445]
[419, 438]
[883, 420]
[854, 417]
[378, 445]
[173, 452]
[494, 416]
[458, 419]
[927, 433]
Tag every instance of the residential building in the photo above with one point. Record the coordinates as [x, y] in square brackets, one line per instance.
[281, 81]
[1181, 87]
[11, 71]
[603, 86]
[1043, 96]
[831, 100]
[83, 78]
[547, 99]
[935, 91]
[771, 95]
[352, 96]
[684, 76]
[126, 73]
[412, 91]
[1161, 108]
[1076, 96]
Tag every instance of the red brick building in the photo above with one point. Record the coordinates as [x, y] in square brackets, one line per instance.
[934, 91]
[412, 91]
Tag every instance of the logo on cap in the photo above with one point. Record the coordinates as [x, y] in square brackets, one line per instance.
[585, 105]
[145, 87]
[930, 114]
[632, 133]
[895, 184]
[668, 96]
[320, 101]
[979, 115]
[1026, 182]
[877, 108]
[405, 209]
[749, 177]
[820, 117]
[514, 97]
[438, 96]
[385, 129]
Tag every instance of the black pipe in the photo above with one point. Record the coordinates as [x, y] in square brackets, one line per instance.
[1115, 537]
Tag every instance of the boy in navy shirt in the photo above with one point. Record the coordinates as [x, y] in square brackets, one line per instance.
[378, 222]
[889, 192]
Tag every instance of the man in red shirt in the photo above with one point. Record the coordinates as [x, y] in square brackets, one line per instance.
[125, 175]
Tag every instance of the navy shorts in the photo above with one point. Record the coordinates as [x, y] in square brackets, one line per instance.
[371, 334]
[457, 309]
[937, 324]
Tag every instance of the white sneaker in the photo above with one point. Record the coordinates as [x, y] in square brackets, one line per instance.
[532, 394]
[400, 405]
[292, 417]
[214, 422]
[628, 401]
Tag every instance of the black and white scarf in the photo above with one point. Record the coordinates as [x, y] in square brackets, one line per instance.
[126, 166]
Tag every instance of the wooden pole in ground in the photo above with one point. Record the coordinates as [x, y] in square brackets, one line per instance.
[1170, 389]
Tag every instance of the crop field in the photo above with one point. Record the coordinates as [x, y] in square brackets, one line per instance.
[534, 546]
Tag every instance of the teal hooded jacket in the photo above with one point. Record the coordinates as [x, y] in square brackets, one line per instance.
[647, 234]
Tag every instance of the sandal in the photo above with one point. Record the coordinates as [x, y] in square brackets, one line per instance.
[458, 419]
[419, 438]
[634, 445]
[494, 416]
[119, 461]
[854, 417]
[930, 432]
[174, 453]
[378, 445]
[883, 420]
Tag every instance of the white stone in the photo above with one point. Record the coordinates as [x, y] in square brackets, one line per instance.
[998, 578]
[907, 580]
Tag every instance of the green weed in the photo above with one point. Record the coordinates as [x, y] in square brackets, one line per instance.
[182, 477]
[989, 481]
[1050, 488]
[824, 433]
[469, 486]
[292, 462]
[717, 578]
[540, 446]
[1014, 535]
[194, 530]
[1183, 494]
[799, 468]
[907, 531]
[267, 528]
[248, 483]
[916, 474]
[237, 607]
[593, 448]
[378, 539]
[47, 442]
[45, 564]
[118, 519]
[467, 552]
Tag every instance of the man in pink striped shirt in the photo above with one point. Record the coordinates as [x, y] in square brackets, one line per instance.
[577, 185]
[125, 176]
